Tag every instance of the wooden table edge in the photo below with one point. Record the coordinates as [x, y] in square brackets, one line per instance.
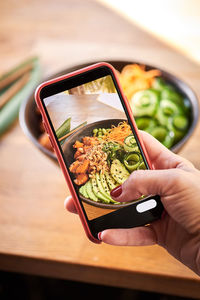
[101, 275]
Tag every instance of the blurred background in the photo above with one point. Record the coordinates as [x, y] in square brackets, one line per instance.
[174, 22]
[35, 232]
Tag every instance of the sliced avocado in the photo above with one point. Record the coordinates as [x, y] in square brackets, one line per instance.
[89, 191]
[104, 183]
[97, 192]
[101, 188]
[106, 187]
[166, 109]
[118, 171]
[110, 181]
[83, 191]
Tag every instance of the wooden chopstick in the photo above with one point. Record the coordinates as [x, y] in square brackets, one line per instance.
[15, 75]
[5, 97]
[69, 133]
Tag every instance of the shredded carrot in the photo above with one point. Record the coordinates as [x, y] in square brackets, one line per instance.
[135, 78]
[118, 133]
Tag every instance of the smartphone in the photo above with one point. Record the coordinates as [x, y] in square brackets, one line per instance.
[94, 135]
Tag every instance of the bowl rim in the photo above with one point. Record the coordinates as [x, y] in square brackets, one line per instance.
[173, 79]
[108, 206]
[25, 129]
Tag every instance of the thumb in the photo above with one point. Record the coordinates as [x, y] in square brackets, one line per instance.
[145, 182]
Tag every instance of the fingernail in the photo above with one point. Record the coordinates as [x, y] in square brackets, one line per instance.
[99, 236]
[116, 192]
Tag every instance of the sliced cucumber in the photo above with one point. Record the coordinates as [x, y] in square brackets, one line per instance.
[166, 110]
[144, 103]
[180, 122]
[145, 123]
[163, 135]
[170, 94]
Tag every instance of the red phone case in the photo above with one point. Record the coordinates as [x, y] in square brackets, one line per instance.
[56, 148]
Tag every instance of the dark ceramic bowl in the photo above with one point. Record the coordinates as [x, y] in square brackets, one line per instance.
[69, 152]
[29, 119]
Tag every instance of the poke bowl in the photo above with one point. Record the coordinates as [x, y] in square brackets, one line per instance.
[110, 162]
[172, 120]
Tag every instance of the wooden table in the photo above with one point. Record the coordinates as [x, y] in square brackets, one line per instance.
[37, 235]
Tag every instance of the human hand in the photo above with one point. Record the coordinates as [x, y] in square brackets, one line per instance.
[177, 182]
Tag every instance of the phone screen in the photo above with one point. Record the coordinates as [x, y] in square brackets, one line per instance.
[96, 138]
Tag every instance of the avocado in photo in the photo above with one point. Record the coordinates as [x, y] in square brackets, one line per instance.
[118, 171]
[97, 192]
[90, 192]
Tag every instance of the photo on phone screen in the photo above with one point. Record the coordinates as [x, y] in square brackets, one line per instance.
[97, 142]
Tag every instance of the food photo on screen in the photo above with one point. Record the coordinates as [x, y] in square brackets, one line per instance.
[99, 147]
